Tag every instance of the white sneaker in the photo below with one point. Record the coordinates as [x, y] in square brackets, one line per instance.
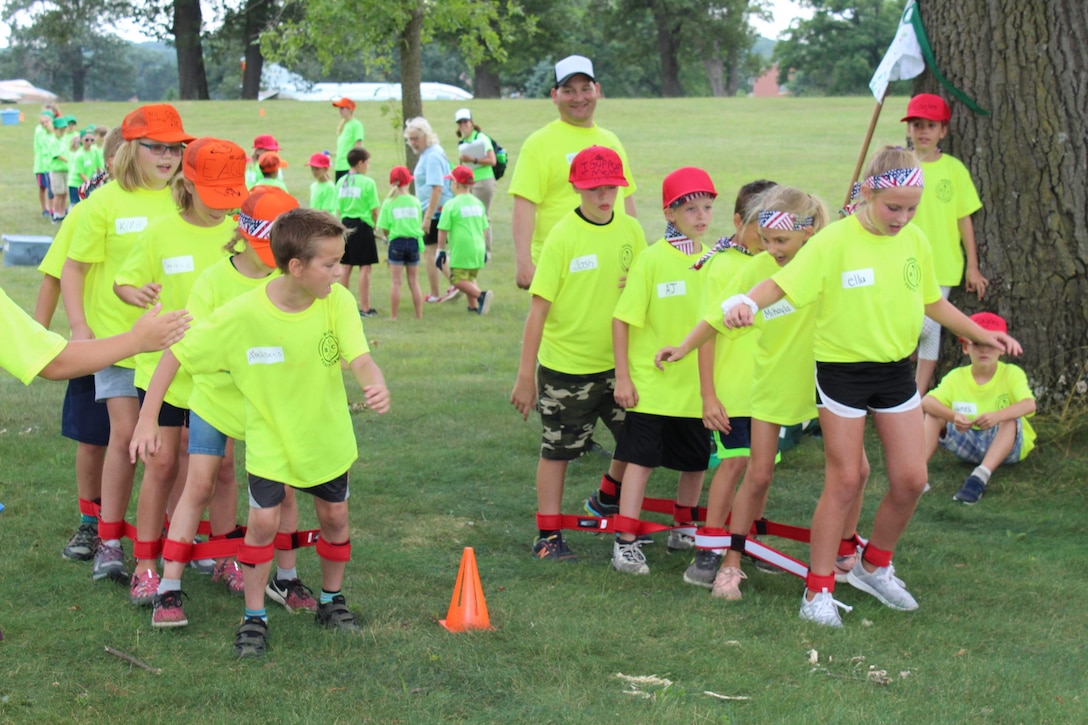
[627, 557]
[883, 585]
[823, 609]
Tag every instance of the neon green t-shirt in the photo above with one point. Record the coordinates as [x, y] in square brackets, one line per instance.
[350, 134]
[464, 218]
[579, 274]
[400, 216]
[734, 358]
[173, 253]
[543, 168]
[109, 226]
[84, 163]
[25, 346]
[948, 196]
[872, 290]
[479, 171]
[100, 158]
[58, 155]
[71, 154]
[323, 196]
[783, 389]
[959, 391]
[287, 367]
[270, 181]
[357, 195]
[53, 261]
[214, 397]
[42, 150]
[254, 175]
[661, 303]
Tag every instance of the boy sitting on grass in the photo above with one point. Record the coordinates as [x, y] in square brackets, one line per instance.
[283, 344]
[461, 233]
[980, 412]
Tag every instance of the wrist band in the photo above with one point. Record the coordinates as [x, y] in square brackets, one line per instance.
[735, 300]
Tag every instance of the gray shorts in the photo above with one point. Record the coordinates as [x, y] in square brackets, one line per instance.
[971, 445]
[265, 494]
[114, 382]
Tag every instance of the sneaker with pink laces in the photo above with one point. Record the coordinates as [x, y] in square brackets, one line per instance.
[143, 587]
[228, 571]
[727, 583]
[168, 612]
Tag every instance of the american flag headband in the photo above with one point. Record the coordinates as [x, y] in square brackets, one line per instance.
[256, 228]
[770, 219]
[895, 177]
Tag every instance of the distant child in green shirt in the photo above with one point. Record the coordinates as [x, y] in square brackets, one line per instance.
[358, 197]
[980, 412]
[270, 164]
[461, 231]
[400, 222]
[322, 190]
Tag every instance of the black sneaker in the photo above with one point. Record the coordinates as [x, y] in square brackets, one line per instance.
[594, 507]
[251, 639]
[292, 594]
[553, 547]
[971, 491]
[83, 543]
[483, 303]
[703, 568]
[336, 615]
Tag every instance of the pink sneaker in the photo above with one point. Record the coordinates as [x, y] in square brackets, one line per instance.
[229, 571]
[144, 587]
[727, 583]
[292, 594]
[168, 612]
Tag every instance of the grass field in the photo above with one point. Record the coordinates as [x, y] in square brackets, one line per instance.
[998, 637]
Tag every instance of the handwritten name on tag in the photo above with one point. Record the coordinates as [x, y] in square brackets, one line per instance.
[178, 265]
[678, 288]
[858, 278]
[965, 408]
[778, 309]
[264, 355]
[581, 264]
[406, 212]
[130, 225]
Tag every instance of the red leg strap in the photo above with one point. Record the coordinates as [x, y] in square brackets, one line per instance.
[177, 550]
[609, 485]
[255, 555]
[334, 552]
[817, 583]
[876, 557]
[547, 522]
[111, 530]
[145, 550]
[89, 508]
[848, 547]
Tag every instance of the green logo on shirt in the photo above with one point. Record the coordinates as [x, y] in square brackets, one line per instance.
[944, 190]
[627, 253]
[912, 273]
[1003, 401]
[329, 349]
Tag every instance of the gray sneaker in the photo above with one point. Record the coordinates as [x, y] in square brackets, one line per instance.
[109, 563]
[679, 541]
[823, 609]
[83, 543]
[883, 585]
[628, 558]
[204, 566]
[703, 568]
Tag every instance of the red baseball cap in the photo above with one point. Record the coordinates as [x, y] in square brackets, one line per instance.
[270, 161]
[158, 122]
[988, 321]
[344, 103]
[258, 212]
[461, 174]
[596, 166]
[686, 181]
[400, 176]
[217, 169]
[928, 107]
[267, 142]
[319, 161]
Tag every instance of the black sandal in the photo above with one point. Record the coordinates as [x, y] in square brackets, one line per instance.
[252, 638]
[336, 615]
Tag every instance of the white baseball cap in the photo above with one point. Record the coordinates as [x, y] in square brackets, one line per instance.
[573, 65]
[463, 114]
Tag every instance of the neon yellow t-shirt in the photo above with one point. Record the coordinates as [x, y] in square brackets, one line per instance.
[948, 196]
[53, 261]
[959, 391]
[464, 218]
[25, 346]
[357, 197]
[298, 429]
[107, 229]
[214, 397]
[661, 303]
[323, 196]
[872, 290]
[734, 358]
[401, 216]
[543, 167]
[350, 134]
[783, 388]
[173, 253]
[579, 274]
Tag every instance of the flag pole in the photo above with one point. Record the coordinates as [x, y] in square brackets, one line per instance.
[865, 145]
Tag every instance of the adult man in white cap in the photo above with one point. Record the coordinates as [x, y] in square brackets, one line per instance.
[540, 187]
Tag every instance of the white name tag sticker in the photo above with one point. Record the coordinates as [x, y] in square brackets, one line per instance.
[350, 192]
[130, 225]
[570, 157]
[778, 309]
[178, 265]
[264, 355]
[964, 408]
[858, 278]
[472, 211]
[581, 264]
[678, 288]
[406, 212]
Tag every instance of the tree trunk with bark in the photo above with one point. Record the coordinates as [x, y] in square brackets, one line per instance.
[411, 73]
[258, 13]
[1025, 62]
[668, 47]
[192, 78]
[485, 82]
[78, 67]
[715, 69]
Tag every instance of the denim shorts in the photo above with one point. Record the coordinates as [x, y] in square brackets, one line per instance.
[404, 250]
[114, 382]
[204, 438]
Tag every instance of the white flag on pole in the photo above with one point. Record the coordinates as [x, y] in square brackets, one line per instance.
[903, 60]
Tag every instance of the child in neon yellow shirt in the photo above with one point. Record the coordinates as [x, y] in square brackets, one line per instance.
[980, 412]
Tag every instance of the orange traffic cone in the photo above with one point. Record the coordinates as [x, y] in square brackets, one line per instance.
[468, 610]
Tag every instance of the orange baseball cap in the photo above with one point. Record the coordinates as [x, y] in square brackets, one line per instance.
[158, 122]
[258, 212]
[400, 176]
[461, 174]
[217, 169]
[344, 103]
[270, 161]
[597, 166]
[267, 142]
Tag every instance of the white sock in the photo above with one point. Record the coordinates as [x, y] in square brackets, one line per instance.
[983, 473]
[286, 574]
[169, 585]
[115, 543]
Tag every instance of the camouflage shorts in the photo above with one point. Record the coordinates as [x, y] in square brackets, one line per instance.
[569, 407]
